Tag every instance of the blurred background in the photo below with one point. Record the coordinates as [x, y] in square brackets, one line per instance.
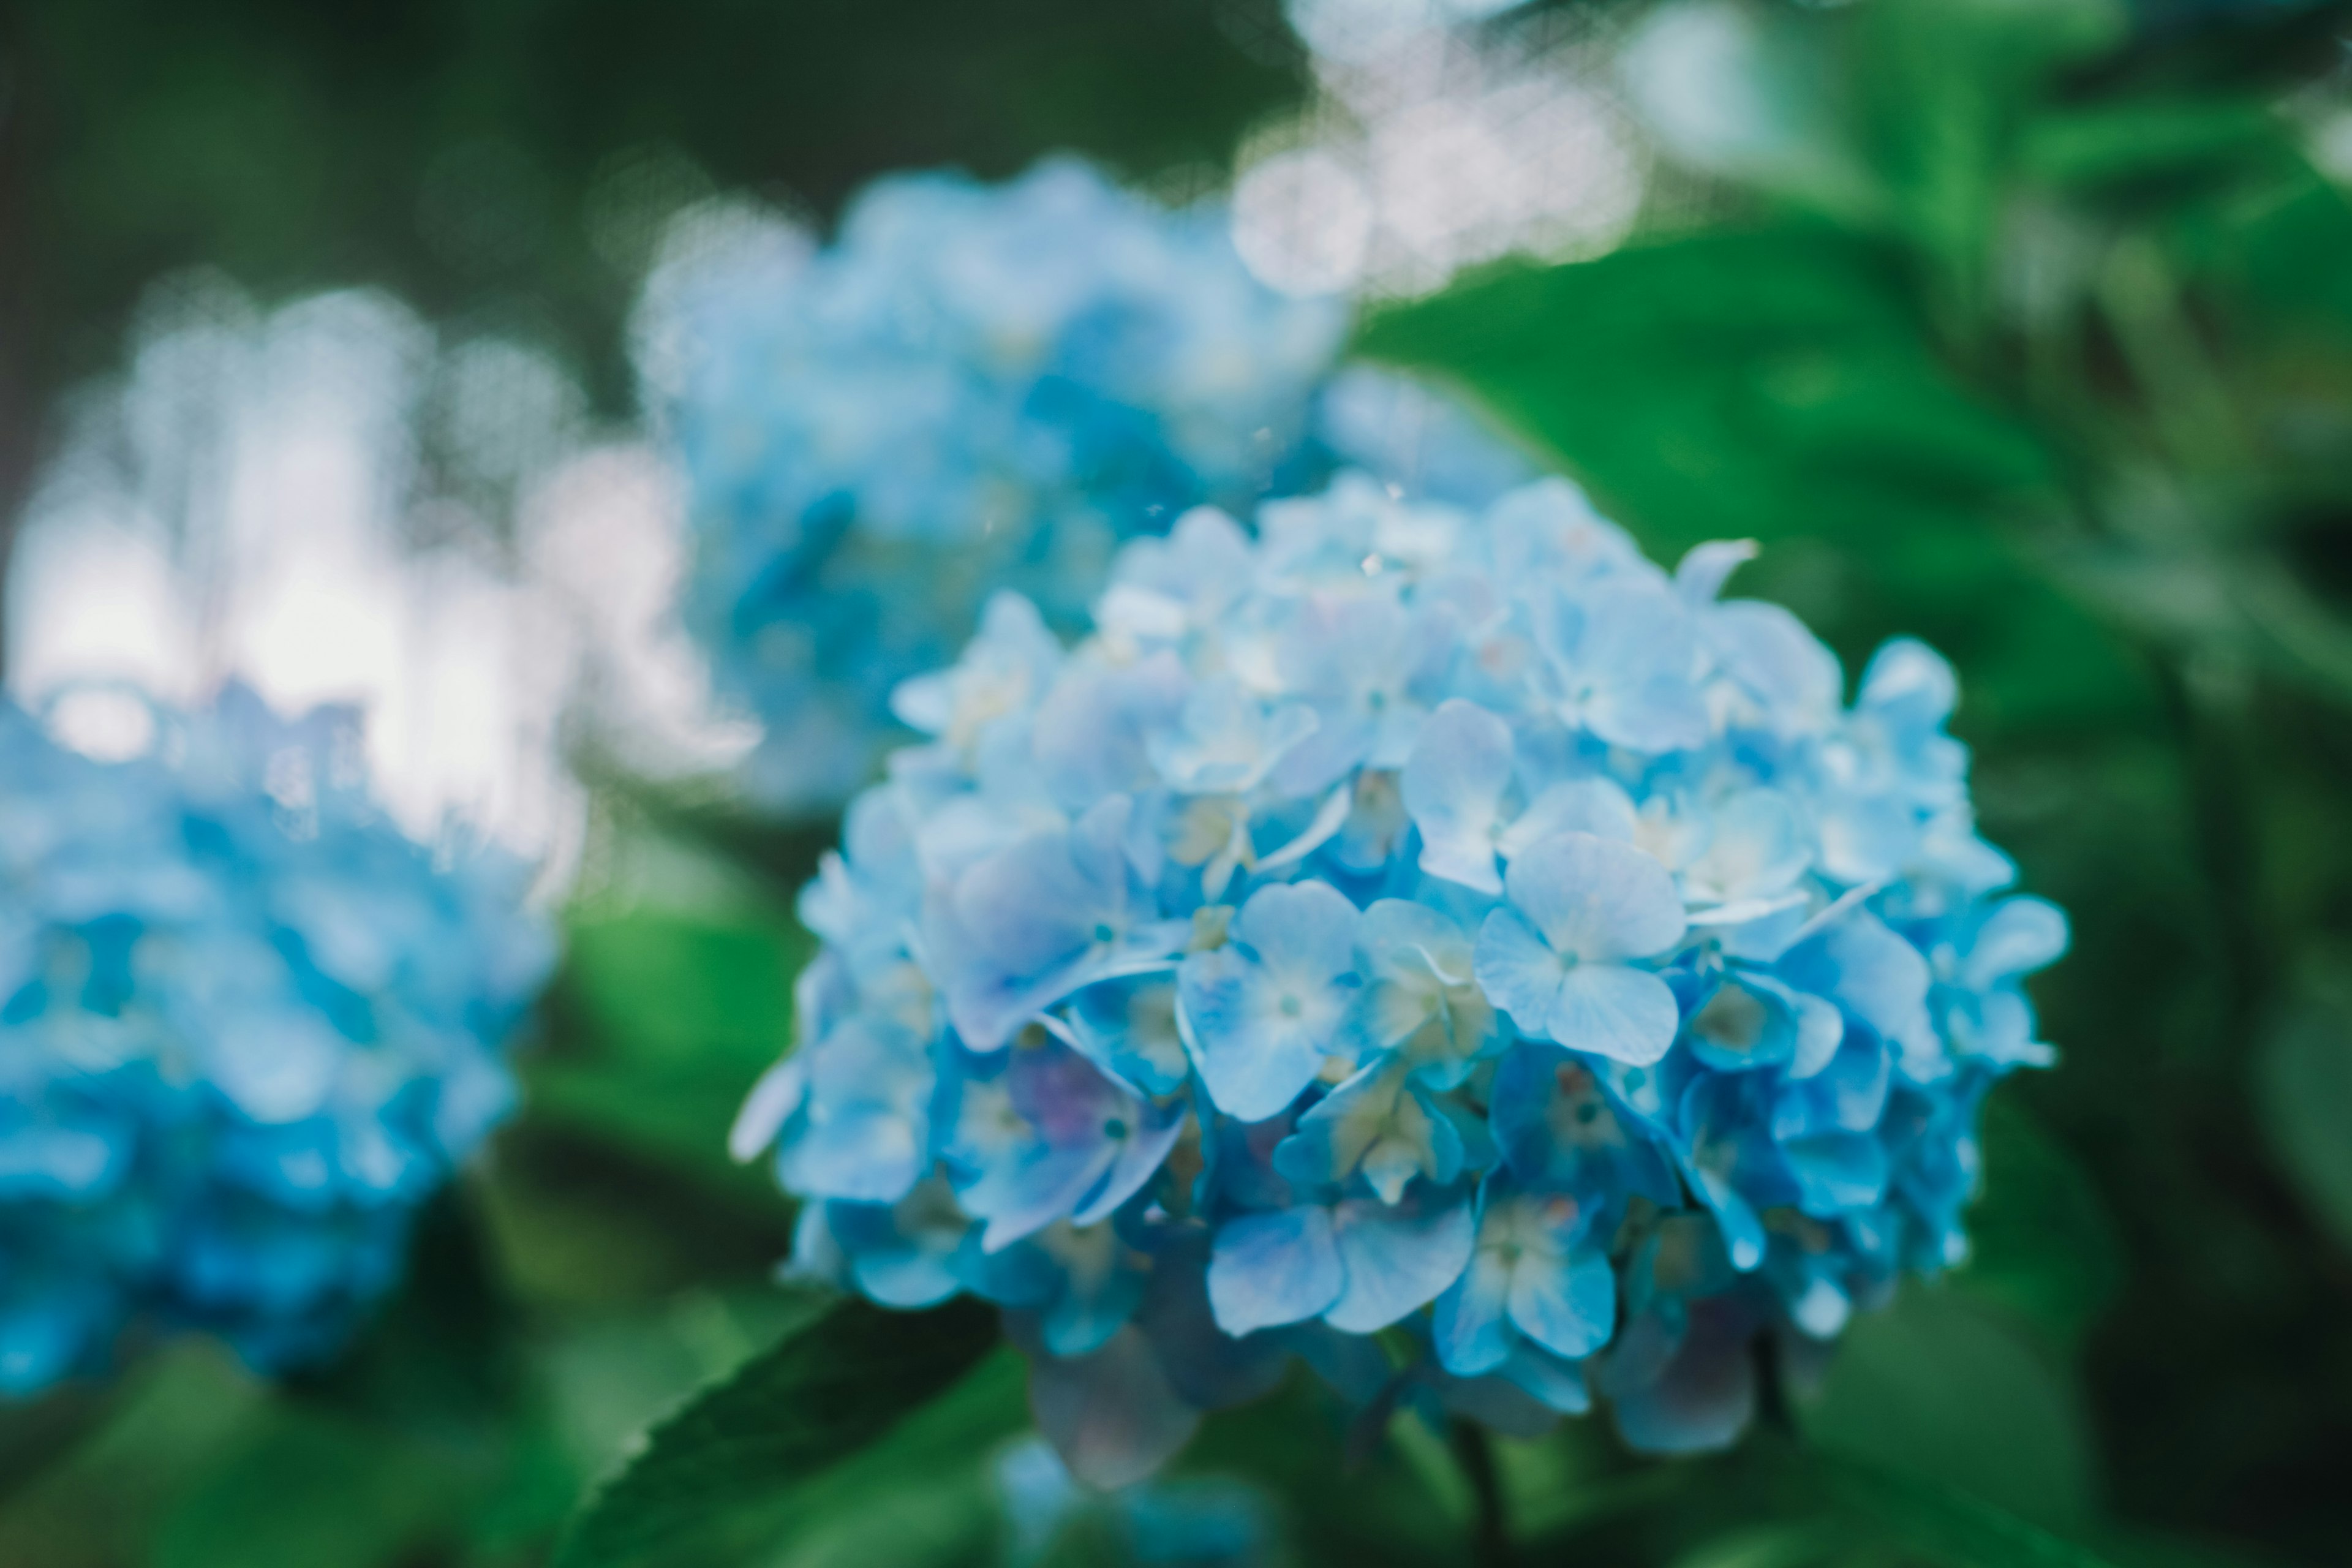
[2025, 326]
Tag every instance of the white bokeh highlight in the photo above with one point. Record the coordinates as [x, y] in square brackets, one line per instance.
[1433, 143]
[319, 502]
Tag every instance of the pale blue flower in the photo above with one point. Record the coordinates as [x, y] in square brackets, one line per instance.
[1360, 1264]
[1418, 998]
[1394, 922]
[1192, 1522]
[1057, 911]
[1559, 957]
[248, 1028]
[1379, 1125]
[1040, 1134]
[1537, 1272]
[1265, 1010]
[978, 387]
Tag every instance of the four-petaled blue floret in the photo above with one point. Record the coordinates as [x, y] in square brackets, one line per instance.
[977, 387]
[247, 1029]
[1396, 923]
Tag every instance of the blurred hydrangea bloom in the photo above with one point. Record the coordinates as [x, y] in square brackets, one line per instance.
[1195, 1522]
[248, 1028]
[978, 387]
[1398, 921]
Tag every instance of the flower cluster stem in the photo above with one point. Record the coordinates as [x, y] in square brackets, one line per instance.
[1490, 1539]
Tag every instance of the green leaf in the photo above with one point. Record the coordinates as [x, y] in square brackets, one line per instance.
[1773, 382]
[2139, 140]
[164, 1428]
[2303, 1090]
[751, 1459]
[662, 1022]
[311, 1488]
[927, 1493]
[1938, 1387]
[1946, 1524]
[2042, 1244]
[1779, 384]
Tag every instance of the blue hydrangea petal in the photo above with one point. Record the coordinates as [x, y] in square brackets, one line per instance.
[1453, 786]
[42, 1341]
[1143, 1150]
[2020, 936]
[1097, 1288]
[1559, 1126]
[1624, 1015]
[1569, 1308]
[1376, 1124]
[1127, 1027]
[1746, 1023]
[1792, 680]
[1596, 805]
[1836, 1172]
[1698, 1391]
[1470, 1325]
[1594, 899]
[1517, 971]
[1260, 1013]
[772, 1099]
[1700, 575]
[1267, 1270]
[1419, 996]
[1112, 1415]
[1397, 1259]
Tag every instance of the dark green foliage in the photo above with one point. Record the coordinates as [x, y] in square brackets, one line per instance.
[728, 1470]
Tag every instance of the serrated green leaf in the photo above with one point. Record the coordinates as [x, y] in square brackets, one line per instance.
[750, 1458]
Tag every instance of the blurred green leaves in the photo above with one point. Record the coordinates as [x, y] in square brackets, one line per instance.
[664, 1020]
[2305, 1096]
[1783, 384]
[2044, 1247]
[1769, 382]
[1938, 1388]
[304, 1488]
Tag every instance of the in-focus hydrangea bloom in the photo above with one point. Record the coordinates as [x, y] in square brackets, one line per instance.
[246, 1029]
[1397, 923]
[976, 387]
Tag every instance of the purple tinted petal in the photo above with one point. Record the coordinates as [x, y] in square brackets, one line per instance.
[1112, 1415]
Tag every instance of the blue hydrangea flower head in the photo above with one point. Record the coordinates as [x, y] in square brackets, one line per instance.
[247, 1029]
[977, 387]
[1407, 921]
